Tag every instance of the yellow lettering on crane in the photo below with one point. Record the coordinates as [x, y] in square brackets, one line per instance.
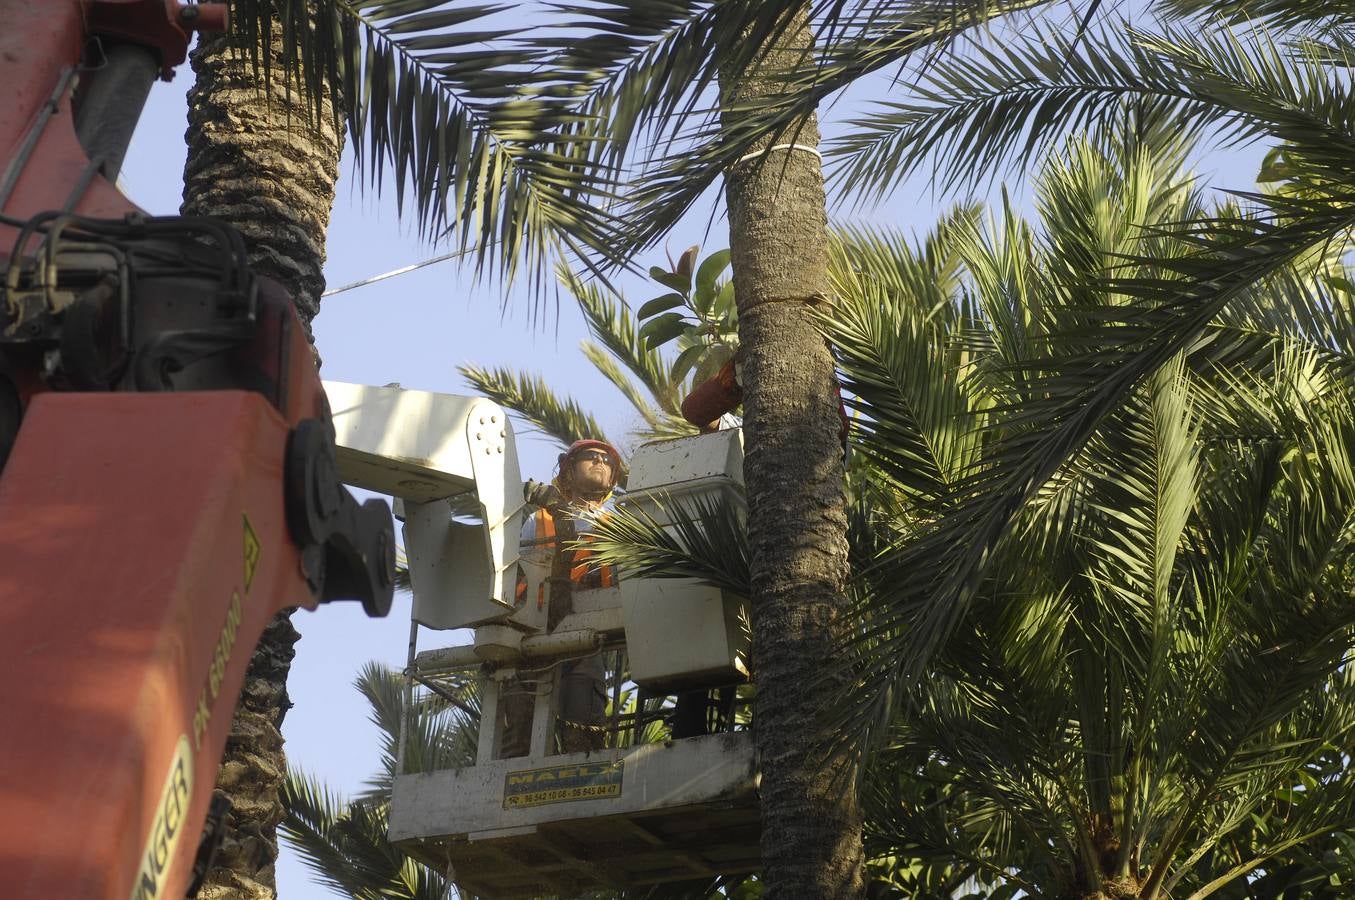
[171, 814]
[252, 552]
[216, 672]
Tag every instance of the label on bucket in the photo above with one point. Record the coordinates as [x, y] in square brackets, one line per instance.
[562, 784]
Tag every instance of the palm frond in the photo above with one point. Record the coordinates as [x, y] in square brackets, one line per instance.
[1172, 312]
[1183, 682]
[614, 326]
[343, 844]
[642, 69]
[344, 841]
[1310, 306]
[1272, 13]
[894, 330]
[606, 365]
[433, 90]
[1150, 671]
[311, 812]
[658, 424]
[696, 538]
[632, 64]
[980, 111]
[531, 396]
[439, 732]
[854, 42]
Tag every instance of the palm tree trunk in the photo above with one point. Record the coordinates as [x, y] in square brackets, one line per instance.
[256, 162]
[811, 828]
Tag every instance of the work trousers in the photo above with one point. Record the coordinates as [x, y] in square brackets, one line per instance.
[581, 720]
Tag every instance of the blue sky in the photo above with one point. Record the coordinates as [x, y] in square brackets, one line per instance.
[415, 329]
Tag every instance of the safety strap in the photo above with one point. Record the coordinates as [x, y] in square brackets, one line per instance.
[805, 148]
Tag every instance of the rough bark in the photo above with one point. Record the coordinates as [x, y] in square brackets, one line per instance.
[811, 828]
[256, 162]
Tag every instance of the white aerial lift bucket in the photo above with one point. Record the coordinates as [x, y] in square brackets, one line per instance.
[646, 807]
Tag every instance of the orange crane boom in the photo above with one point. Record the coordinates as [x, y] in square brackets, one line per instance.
[167, 473]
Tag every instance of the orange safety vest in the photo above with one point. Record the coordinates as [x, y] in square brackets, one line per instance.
[580, 573]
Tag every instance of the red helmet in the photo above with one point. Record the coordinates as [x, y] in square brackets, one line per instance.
[589, 444]
[564, 480]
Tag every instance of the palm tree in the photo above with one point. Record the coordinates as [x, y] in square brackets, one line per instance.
[1151, 680]
[794, 480]
[344, 842]
[768, 65]
[1273, 71]
[1149, 695]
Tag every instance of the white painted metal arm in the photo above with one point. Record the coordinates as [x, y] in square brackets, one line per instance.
[439, 453]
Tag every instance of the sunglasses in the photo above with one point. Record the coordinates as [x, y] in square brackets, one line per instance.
[594, 456]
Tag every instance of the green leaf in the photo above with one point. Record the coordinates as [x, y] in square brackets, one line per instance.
[705, 538]
[711, 268]
[606, 365]
[615, 327]
[661, 83]
[657, 332]
[660, 304]
[681, 284]
[724, 308]
[686, 359]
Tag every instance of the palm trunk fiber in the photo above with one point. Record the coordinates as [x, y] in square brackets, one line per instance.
[811, 828]
[257, 161]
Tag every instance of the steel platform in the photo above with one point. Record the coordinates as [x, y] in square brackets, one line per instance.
[565, 825]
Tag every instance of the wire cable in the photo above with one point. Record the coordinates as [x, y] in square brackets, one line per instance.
[20, 223]
[391, 274]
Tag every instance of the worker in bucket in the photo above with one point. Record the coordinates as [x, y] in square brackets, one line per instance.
[565, 512]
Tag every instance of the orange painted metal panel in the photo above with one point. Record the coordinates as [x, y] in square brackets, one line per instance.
[132, 593]
[38, 41]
